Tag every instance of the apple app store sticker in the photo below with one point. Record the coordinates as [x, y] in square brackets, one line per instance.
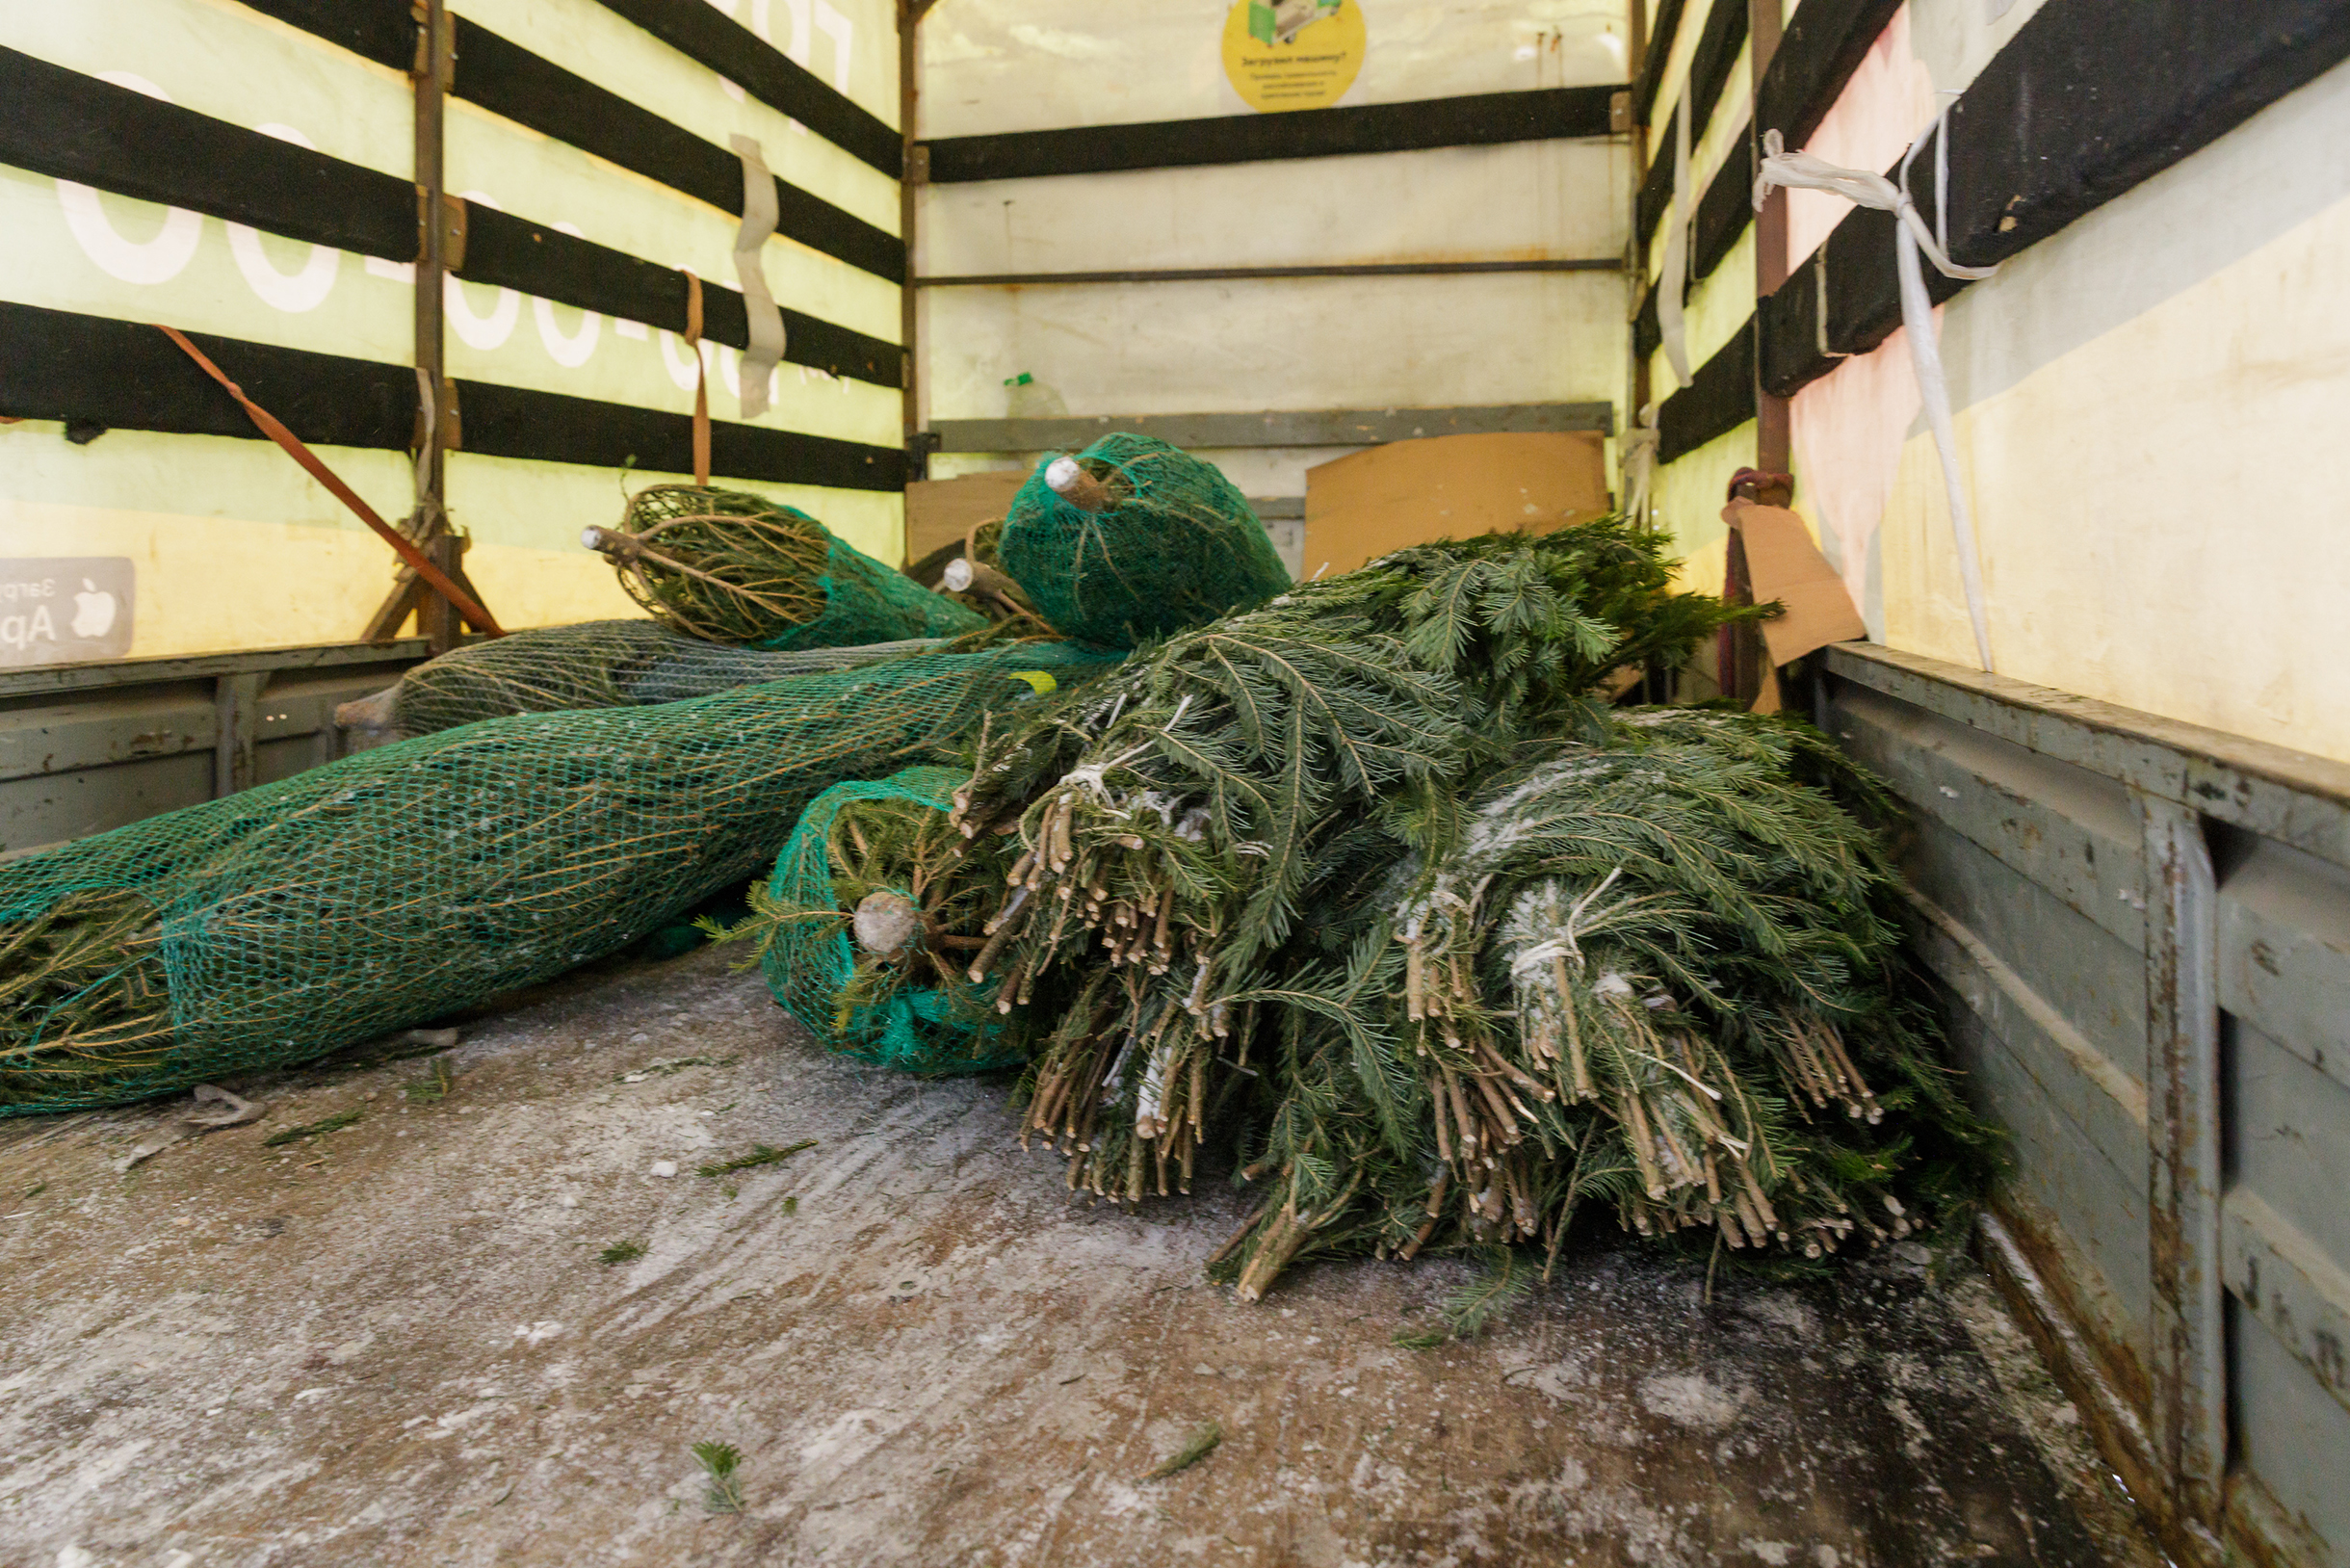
[64, 608]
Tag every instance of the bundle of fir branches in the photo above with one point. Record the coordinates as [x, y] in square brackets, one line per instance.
[1212, 816]
[1657, 967]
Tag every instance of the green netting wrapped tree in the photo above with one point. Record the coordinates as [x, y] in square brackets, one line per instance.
[736, 569]
[874, 914]
[596, 664]
[1132, 540]
[284, 922]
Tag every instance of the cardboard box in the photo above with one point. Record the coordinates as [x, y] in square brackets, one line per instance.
[942, 510]
[1363, 506]
[1782, 563]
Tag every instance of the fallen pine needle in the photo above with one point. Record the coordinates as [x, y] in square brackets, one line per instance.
[312, 1129]
[1201, 1444]
[760, 1155]
[675, 1065]
[719, 1460]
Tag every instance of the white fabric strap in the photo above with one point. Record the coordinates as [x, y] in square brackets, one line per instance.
[1673, 282]
[759, 215]
[1911, 237]
[430, 406]
[1640, 467]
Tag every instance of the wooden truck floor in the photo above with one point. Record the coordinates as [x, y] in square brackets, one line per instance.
[396, 1343]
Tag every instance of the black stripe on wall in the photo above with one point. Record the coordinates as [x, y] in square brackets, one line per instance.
[700, 32]
[503, 248]
[2062, 120]
[506, 79]
[76, 127]
[1822, 46]
[378, 29]
[1719, 397]
[512, 422]
[63, 365]
[1725, 210]
[384, 32]
[1480, 119]
[1651, 63]
[1717, 52]
[1722, 216]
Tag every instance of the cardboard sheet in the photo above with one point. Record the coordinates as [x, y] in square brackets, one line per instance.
[1782, 563]
[941, 511]
[1362, 506]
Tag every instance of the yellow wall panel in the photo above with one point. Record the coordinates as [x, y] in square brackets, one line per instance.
[2159, 527]
[235, 547]
[1689, 494]
[995, 65]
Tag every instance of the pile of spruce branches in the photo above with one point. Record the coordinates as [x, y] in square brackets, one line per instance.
[1371, 880]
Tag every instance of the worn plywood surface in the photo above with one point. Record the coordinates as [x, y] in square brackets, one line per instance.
[945, 511]
[398, 1346]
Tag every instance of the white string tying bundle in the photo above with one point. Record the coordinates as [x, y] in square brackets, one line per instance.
[1910, 236]
[1673, 282]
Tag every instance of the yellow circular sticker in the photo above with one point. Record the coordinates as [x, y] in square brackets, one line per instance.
[1293, 53]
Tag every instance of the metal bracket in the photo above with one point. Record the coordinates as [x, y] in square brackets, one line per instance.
[453, 229]
[441, 61]
[236, 705]
[1619, 113]
[918, 449]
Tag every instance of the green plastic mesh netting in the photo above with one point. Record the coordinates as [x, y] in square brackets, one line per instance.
[597, 664]
[864, 927]
[1147, 540]
[730, 568]
[287, 921]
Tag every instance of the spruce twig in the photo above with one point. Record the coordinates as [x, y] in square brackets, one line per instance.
[720, 1461]
[760, 1155]
[1203, 1441]
[1470, 1310]
[312, 1129]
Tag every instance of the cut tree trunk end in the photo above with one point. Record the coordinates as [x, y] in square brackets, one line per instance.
[885, 923]
[1068, 479]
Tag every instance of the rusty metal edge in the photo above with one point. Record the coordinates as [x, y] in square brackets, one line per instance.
[2114, 1421]
[44, 680]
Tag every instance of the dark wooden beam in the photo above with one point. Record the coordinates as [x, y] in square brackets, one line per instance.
[64, 365]
[77, 127]
[2062, 120]
[1480, 119]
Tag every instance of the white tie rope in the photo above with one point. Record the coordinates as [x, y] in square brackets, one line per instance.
[1802, 170]
[1640, 466]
